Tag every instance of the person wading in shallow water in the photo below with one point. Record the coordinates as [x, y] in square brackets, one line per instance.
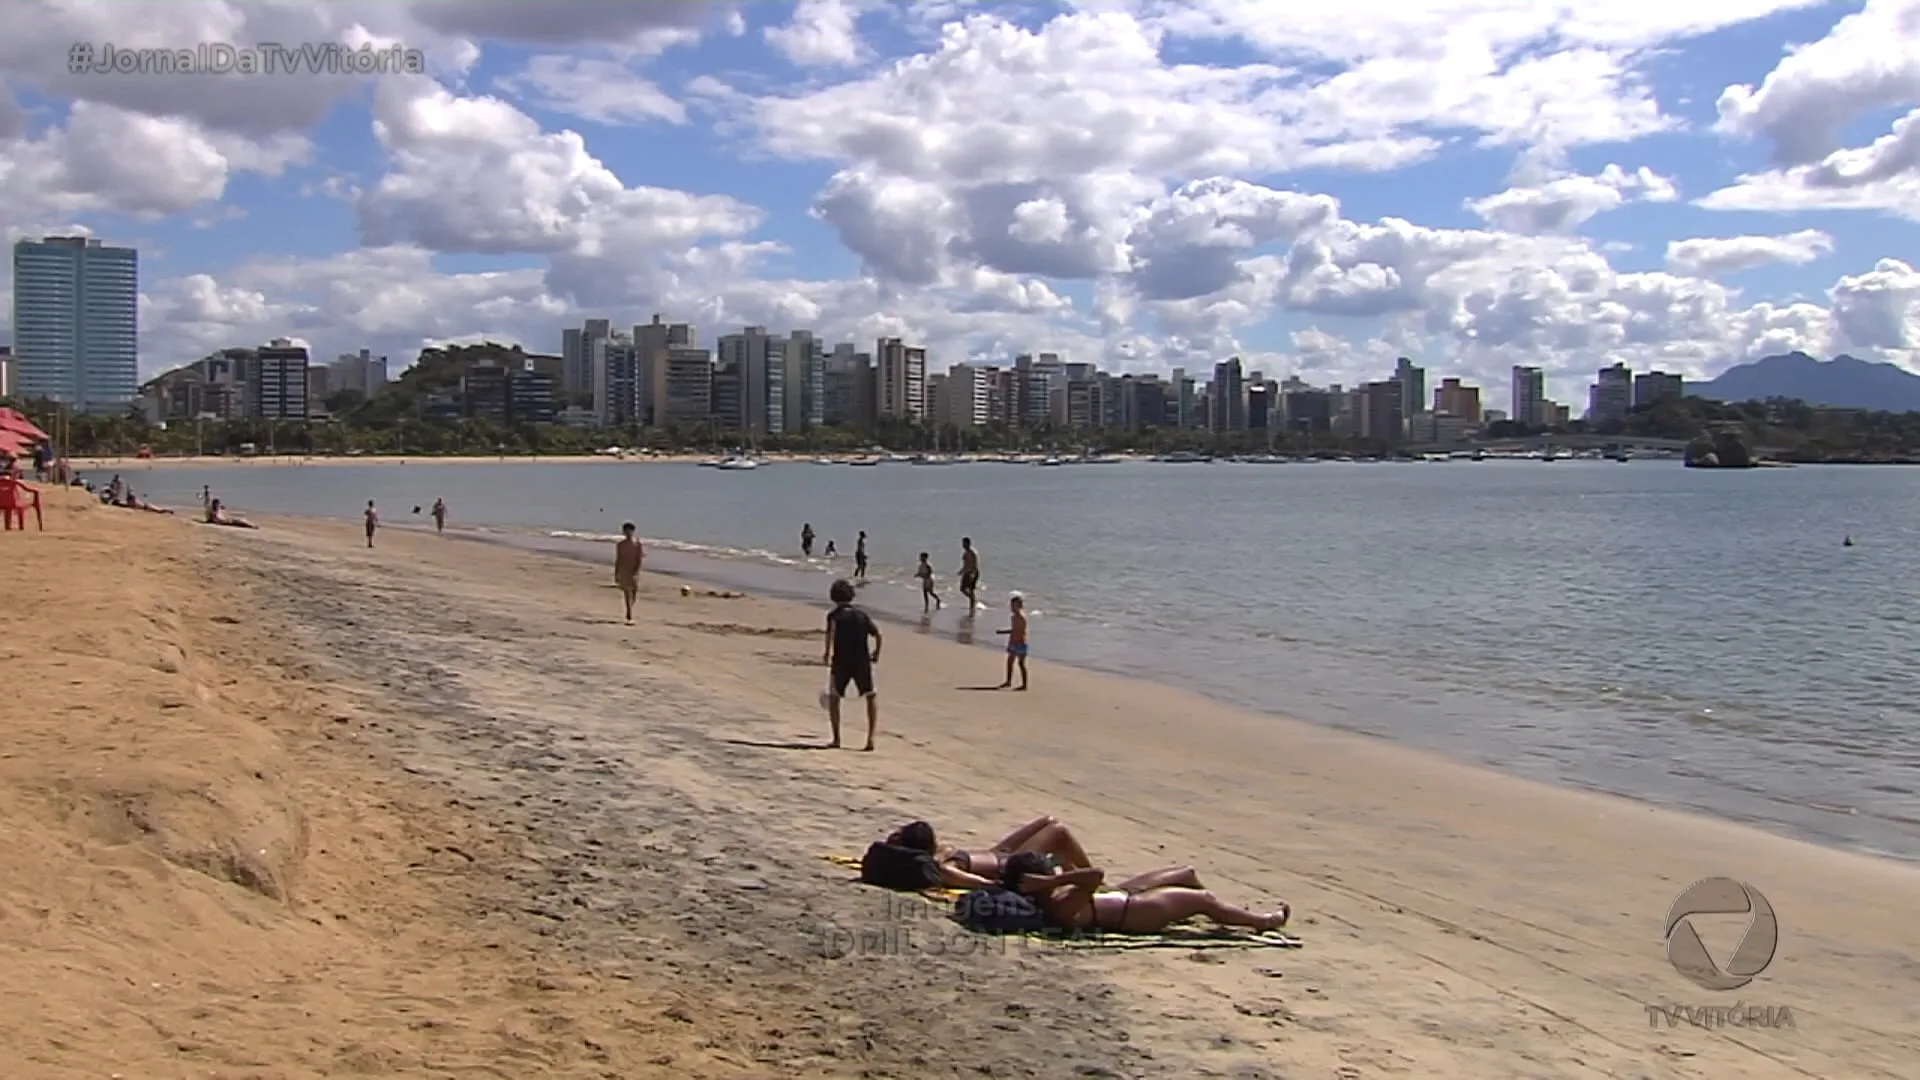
[806, 539]
[969, 573]
[847, 659]
[627, 557]
[439, 515]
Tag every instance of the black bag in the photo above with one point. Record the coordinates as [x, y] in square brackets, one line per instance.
[891, 866]
[998, 911]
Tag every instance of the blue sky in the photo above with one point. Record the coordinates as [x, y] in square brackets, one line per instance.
[838, 164]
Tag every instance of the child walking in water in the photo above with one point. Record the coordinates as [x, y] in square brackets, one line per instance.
[929, 600]
[1016, 633]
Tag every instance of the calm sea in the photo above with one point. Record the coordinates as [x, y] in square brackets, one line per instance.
[1692, 638]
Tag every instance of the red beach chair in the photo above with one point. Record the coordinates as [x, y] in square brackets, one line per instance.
[15, 498]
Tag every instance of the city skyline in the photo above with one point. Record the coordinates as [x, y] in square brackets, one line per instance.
[760, 384]
[1004, 178]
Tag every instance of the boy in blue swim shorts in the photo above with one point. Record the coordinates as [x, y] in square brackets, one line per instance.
[1016, 633]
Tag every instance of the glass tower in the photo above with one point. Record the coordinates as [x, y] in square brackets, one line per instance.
[76, 322]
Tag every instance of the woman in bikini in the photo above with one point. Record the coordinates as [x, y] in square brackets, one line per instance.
[1079, 899]
[963, 869]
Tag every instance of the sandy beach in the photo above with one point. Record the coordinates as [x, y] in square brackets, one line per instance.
[291, 807]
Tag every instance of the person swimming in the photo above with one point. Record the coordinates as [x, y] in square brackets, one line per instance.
[1080, 899]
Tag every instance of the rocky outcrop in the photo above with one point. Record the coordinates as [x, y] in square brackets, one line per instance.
[1721, 448]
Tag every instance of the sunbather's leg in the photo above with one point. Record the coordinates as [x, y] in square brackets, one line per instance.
[1150, 912]
[1165, 877]
[1011, 842]
[1058, 841]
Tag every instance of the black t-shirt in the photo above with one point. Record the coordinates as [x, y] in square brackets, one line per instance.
[850, 628]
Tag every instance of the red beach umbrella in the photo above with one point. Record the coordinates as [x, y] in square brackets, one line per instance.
[12, 421]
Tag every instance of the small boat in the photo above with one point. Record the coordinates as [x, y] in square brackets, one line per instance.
[865, 462]
[1183, 457]
[1051, 461]
[737, 464]
[824, 461]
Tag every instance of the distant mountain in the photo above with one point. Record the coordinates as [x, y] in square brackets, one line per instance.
[1842, 382]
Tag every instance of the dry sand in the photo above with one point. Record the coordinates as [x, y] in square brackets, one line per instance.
[639, 817]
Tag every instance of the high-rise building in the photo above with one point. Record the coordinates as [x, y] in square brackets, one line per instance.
[76, 322]
[650, 343]
[1227, 397]
[1610, 397]
[805, 383]
[1652, 386]
[6, 371]
[1529, 396]
[1413, 385]
[362, 372]
[278, 387]
[902, 380]
[683, 387]
[967, 398]
[616, 380]
[579, 355]
[851, 389]
[1457, 399]
[1380, 413]
[756, 364]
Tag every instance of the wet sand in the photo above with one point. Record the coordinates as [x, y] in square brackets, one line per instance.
[645, 809]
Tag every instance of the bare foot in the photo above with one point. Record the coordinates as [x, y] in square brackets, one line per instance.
[1278, 919]
[1003, 686]
[867, 748]
[1022, 686]
[834, 745]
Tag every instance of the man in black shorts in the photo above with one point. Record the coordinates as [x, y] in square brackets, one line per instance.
[860, 557]
[847, 658]
[969, 574]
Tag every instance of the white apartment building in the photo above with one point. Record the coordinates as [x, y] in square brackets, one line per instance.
[902, 379]
[966, 396]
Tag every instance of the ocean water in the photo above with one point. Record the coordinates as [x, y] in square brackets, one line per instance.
[1690, 638]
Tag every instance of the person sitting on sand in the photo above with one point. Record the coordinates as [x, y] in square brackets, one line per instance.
[217, 515]
[963, 869]
[1080, 899]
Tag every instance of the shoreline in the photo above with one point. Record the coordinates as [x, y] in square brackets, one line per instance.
[647, 805]
[704, 566]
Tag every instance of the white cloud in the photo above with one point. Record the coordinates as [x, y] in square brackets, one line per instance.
[1869, 62]
[603, 91]
[821, 33]
[475, 174]
[1564, 203]
[1718, 256]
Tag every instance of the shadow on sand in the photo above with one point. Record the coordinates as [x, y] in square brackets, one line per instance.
[777, 745]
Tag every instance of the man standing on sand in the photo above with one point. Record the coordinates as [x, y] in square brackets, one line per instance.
[847, 659]
[439, 515]
[373, 521]
[627, 557]
[860, 557]
[969, 573]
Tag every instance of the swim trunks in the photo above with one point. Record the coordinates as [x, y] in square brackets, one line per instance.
[969, 581]
[1017, 648]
